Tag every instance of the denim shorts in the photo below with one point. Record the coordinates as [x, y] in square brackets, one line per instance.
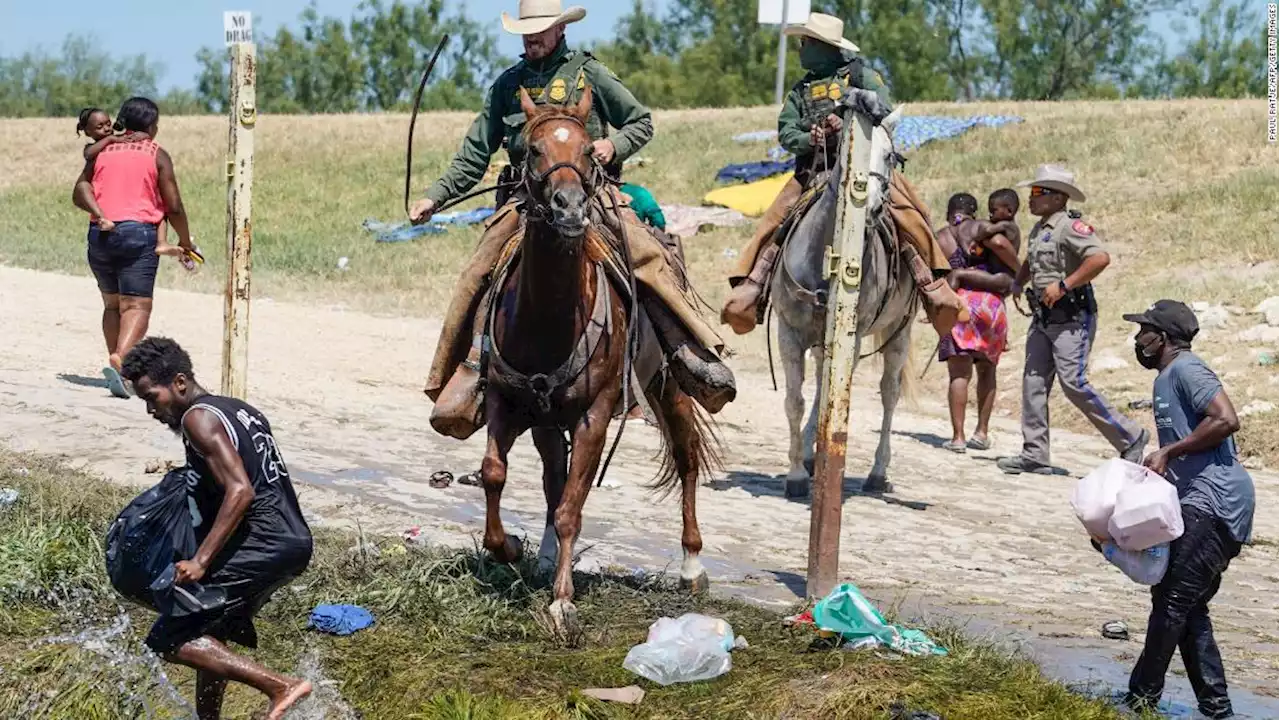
[124, 260]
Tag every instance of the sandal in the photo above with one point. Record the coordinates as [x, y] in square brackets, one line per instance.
[115, 383]
[1115, 630]
[471, 478]
[441, 479]
[954, 447]
[976, 444]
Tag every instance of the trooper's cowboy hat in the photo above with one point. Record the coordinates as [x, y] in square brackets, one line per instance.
[1056, 177]
[536, 16]
[826, 28]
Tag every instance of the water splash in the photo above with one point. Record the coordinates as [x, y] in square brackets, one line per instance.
[325, 702]
[136, 673]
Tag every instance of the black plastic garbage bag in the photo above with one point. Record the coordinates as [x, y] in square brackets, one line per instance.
[148, 536]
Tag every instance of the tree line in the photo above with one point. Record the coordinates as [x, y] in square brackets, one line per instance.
[699, 53]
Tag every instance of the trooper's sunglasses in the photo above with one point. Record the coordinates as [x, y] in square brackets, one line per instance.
[1038, 191]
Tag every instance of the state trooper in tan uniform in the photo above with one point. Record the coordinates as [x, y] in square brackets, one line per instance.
[1064, 257]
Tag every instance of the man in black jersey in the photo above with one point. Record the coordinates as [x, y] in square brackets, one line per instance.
[251, 534]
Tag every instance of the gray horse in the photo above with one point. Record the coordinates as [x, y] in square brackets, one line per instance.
[887, 303]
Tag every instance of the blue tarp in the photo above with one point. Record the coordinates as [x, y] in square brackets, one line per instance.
[403, 232]
[910, 133]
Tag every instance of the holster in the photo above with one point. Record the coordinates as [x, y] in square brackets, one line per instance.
[1075, 303]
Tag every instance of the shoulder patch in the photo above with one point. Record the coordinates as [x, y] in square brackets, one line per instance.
[1081, 227]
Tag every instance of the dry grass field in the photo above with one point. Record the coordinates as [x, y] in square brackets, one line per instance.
[1184, 193]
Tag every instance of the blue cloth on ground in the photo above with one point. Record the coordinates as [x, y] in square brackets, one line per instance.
[911, 132]
[340, 619]
[756, 136]
[403, 231]
[750, 172]
[463, 217]
[399, 232]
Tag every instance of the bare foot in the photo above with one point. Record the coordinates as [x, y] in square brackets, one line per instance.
[293, 694]
[114, 359]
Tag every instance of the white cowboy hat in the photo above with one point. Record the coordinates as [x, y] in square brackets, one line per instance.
[827, 28]
[1056, 177]
[536, 16]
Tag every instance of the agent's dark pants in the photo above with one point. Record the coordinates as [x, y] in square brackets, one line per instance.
[1180, 617]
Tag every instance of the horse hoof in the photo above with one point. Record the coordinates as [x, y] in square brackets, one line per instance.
[877, 485]
[564, 621]
[510, 552]
[697, 585]
[795, 487]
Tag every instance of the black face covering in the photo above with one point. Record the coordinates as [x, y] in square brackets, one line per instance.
[1149, 356]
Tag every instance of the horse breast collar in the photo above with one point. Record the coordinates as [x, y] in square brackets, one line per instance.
[540, 386]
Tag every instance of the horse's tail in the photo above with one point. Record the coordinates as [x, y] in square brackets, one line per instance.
[703, 442]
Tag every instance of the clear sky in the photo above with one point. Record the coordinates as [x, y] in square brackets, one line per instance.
[170, 31]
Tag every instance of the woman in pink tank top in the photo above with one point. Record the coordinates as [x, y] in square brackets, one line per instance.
[128, 188]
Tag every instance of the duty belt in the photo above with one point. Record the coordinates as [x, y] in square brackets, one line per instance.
[1069, 308]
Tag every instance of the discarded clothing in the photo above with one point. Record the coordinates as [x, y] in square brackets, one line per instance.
[340, 619]
[463, 217]
[399, 232]
[688, 220]
[845, 612]
[751, 199]
[749, 172]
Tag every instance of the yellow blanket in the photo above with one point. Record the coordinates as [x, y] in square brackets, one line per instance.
[750, 199]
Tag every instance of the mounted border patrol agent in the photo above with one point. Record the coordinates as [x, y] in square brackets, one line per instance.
[1064, 257]
[551, 72]
[809, 127]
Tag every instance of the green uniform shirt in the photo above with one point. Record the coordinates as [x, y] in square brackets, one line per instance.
[1057, 246]
[815, 97]
[559, 78]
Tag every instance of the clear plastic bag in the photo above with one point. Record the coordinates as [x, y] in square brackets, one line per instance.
[1145, 567]
[688, 649]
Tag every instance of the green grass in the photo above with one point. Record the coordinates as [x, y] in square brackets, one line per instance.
[457, 637]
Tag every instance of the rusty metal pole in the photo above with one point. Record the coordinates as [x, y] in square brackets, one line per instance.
[244, 115]
[844, 272]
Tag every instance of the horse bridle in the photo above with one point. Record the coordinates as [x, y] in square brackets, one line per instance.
[531, 180]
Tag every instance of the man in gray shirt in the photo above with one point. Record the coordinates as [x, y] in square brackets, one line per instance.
[1195, 421]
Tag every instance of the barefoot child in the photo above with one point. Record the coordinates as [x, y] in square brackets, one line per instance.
[252, 538]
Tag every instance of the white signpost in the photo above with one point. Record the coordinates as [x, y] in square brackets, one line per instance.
[782, 13]
[237, 27]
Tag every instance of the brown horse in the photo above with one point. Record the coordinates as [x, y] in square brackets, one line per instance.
[558, 334]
